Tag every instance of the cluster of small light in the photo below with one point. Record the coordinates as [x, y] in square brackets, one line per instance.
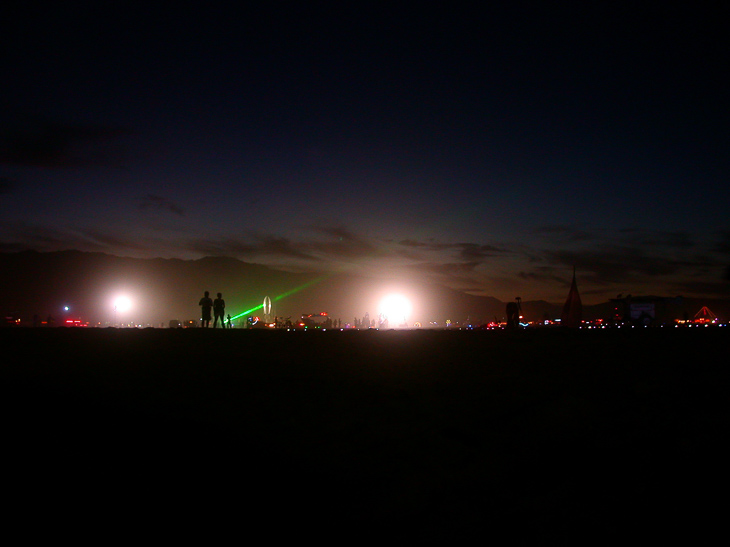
[76, 323]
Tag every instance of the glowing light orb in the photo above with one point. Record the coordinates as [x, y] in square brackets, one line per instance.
[396, 308]
[122, 304]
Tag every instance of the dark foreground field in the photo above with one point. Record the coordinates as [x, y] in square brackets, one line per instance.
[163, 434]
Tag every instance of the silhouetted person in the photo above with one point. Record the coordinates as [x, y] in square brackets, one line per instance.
[230, 323]
[219, 310]
[206, 304]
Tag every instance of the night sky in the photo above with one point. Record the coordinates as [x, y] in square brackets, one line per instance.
[490, 149]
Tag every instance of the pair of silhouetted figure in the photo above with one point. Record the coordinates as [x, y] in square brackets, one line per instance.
[218, 306]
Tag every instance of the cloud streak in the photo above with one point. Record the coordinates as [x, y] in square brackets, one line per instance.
[24, 236]
[672, 266]
[153, 202]
[255, 246]
[466, 251]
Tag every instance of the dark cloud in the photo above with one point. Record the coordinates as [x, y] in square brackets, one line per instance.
[282, 246]
[466, 251]
[630, 236]
[153, 202]
[342, 243]
[48, 238]
[222, 247]
[104, 241]
[444, 268]
[54, 144]
[645, 259]
[20, 236]
[614, 264]
[428, 245]
[608, 292]
[351, 250]
[339, 232]
[473, 251]
[693, 286]
[338, 244]
[256, 245]
[544, 274]
[640, 256]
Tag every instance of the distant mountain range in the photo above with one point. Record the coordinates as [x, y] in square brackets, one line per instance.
[164, 289]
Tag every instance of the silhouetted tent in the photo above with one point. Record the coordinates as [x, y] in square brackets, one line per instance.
[573, 309]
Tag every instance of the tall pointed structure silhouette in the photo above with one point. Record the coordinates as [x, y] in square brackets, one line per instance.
[573, 309]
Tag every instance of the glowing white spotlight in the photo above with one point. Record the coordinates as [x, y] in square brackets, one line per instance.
[122, 304]
[396, 308]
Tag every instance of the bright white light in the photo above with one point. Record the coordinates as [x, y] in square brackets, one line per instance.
[122, 303]
[396, 308]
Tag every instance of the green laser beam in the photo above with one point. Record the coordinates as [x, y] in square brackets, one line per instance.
[247, 312]
[284, 295]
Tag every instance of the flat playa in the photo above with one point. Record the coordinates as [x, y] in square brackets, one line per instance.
[413, 434]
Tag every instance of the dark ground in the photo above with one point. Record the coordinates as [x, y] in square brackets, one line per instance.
[419, 435]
